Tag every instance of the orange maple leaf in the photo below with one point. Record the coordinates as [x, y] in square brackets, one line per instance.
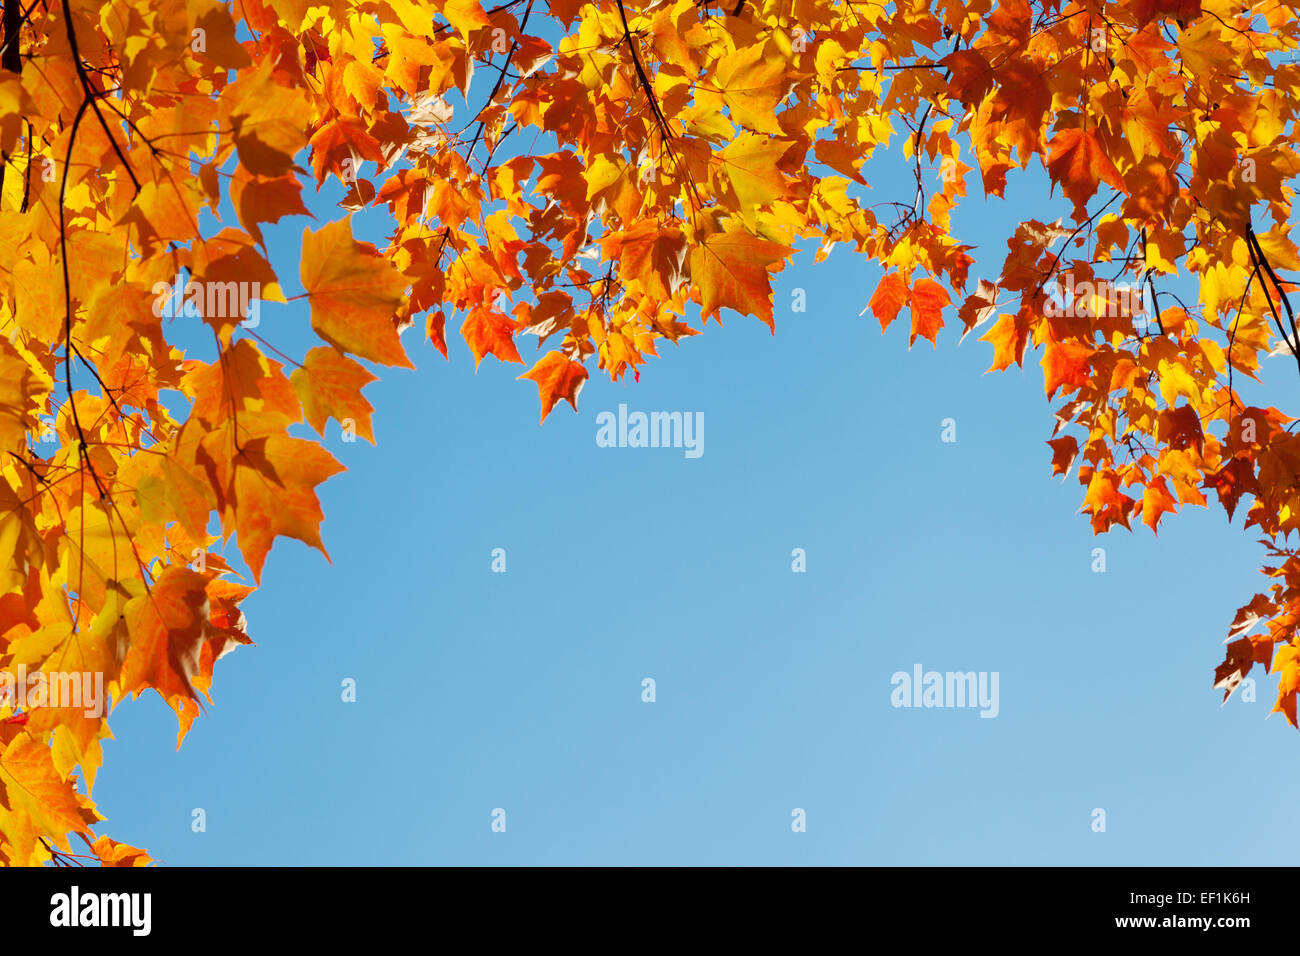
[1065, 364]
[888, 299]
[733, 270]
[166, 624]
[329, 385]
[489, 332]
[927, 301]
[1156, 500]
[354, 293]
[1079, 163]
[557, 377]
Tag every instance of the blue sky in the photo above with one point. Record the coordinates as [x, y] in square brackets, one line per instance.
[523, 690]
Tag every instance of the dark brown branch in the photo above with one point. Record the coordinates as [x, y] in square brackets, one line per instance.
[660, 120]
[27, 170]
[1232, 333]
[1056, 256]
[1151, 284]
[10, 59]
[1261, 262]
[92, 97]
[67, 298]
[496, 88]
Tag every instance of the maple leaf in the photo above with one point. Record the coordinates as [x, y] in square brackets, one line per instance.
[650, 254]
[1065, 364]
[557, 377]
[732, 270]
[978, 308]
[841, 157]
[14, 104]
[1105, 502]
[354, 293]
[752, 164]
[1286, 664]
[259, 200]
[1156, 501]
[35, 799]
[927, 302]
[925, 298]
[488, 332]
[465, 15]
[267, 116]
[166, 623]
[1239, 659]
[329, 385]
[1064, 450]
[888, 299]
[972, 77]
[751, 85]
[113, 853]
[1009, 335]
[1144, 11]
[1259, 609]
[268, 489]
[1079, 164]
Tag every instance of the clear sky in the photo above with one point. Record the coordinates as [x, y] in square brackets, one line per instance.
[523, 690]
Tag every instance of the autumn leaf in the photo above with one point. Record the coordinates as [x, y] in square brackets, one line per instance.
[752, 164]
[927, 301]
[329, 385]
[465, 15]
[1008, 336]
[268, 489]
[972, 77]
[733, 270]
[1064, 450]
[650, 255]
[1079, 164]
[35, 799]
[1065, 365]
[888, 299]
[167, 627]
[1144, 11]
[1286, 664]
[751, 85]
[268, 116]
[1156, 500]
[488, 332]
[354, 293]
[113, 853]
[259, 200]
[979, 307]
[1105, 502]
[557, 377]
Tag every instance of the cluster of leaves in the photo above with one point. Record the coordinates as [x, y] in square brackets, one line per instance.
[590, 175]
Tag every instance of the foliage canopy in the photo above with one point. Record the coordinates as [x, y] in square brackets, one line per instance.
[594, 176]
